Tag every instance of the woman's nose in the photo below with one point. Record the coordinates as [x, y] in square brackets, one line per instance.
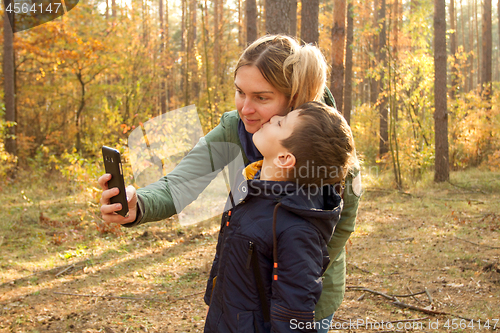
[247, 107]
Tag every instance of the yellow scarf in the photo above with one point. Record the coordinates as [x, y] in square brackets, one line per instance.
[251, 170]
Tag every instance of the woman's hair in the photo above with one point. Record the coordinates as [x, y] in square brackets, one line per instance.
[322, 144]
[297, 71]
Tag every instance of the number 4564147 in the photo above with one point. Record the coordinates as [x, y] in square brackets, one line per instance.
[25, 8]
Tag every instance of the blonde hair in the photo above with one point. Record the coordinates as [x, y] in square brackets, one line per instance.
[299, 72]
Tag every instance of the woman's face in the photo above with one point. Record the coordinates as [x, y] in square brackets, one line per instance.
[256, 99]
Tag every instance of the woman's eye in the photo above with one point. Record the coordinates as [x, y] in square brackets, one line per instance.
[262, 98]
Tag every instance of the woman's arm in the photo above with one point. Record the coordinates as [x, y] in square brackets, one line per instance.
[347, 220]
[191, 176]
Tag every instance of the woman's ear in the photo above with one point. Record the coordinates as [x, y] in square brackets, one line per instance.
[285, 161]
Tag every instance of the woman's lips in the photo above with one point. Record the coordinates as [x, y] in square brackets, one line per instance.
[251, 121]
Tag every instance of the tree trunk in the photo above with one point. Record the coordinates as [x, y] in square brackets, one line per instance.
[309, 31]
[79, 112]
[167, 59]
[241, 40]
[470, 58]
[261, 15]
[145, 20]
[478, 44]
[395, 50]
[184, 66]
[216, 55]
[441, 112]
[207, 64]
[464, 41]
[384, 131]
[113, 8]
[338, 47]
[9, 86]
[193, 65]
[251, 16]
[277, 16]
[163, 99]
[293, 18]
[487, 50]
[453, 50]
[375, 51]
[348, 64]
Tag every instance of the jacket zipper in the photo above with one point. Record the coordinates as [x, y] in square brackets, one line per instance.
[250, 253]
[225, 219]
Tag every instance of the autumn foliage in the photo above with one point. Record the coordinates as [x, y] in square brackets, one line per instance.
[91, 77]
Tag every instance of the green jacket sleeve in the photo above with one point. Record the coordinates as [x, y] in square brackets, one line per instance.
[347, 221]
[334, 276]
[191, 176]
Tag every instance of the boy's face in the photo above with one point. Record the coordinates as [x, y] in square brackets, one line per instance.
[268, 138]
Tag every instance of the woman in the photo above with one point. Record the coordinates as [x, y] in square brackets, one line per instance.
[274, 75]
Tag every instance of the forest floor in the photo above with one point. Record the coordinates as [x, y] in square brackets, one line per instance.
[61, 270]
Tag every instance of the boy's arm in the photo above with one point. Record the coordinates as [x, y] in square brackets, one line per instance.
[298, 286]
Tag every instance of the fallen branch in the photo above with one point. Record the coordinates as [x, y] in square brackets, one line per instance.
[355, 324]
[477, 244]
[392, 298]
[486, 216]
[154, 299]
[416, 308]
[400, 304]
[413, 295]
[407, 320]
[400, 239]
[65, 270]
[389, 191]
[361, 269]
[45, 271]
[473, 190]
[428, 295]
[34, 273]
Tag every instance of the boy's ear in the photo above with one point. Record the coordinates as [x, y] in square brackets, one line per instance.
[285, 160]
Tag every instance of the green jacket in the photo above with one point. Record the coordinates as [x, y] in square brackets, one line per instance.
[156, 201]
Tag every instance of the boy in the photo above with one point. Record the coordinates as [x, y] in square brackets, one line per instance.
[271, 252]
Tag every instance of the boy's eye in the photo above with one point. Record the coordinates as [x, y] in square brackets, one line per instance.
[279, 123]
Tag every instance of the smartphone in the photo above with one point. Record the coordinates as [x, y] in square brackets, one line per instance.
[113, 166]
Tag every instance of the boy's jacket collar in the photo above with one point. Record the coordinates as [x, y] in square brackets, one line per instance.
[300, 200]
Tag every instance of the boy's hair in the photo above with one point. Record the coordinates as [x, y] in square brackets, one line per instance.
[322, 144]
[299, 72]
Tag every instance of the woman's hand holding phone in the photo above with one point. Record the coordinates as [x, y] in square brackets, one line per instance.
[108, 210]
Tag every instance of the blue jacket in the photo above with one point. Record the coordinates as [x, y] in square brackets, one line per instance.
[297, 246]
